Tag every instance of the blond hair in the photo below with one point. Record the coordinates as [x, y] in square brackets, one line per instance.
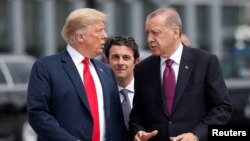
[80, 19]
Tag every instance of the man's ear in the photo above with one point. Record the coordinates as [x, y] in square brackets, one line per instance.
[106, 60]
[79, 37]
[176, 32]
[137, 61]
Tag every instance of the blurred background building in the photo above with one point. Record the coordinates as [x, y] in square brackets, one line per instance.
[33, 26]
[222, 27]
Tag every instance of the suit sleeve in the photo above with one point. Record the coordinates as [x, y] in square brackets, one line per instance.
[217, 99]
[135, 124]
[39, 93]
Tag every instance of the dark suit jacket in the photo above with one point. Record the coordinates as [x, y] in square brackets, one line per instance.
[58, 109]
[201, 97]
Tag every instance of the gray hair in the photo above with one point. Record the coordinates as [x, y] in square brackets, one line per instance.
[172, 16]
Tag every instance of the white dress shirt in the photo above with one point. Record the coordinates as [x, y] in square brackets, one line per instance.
[176, 57]
[77, 59]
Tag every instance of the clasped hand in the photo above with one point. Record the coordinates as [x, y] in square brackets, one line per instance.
[185, 137]
[144, 136]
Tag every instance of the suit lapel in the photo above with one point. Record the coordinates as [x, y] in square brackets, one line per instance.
[156, 81]
[73, 74]
[106, 97]
[185, 69]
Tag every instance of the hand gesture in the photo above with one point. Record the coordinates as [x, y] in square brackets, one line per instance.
[144, 136]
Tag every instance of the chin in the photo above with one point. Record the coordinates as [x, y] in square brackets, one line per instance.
[99, 52]
[155, 53]
[119, 76]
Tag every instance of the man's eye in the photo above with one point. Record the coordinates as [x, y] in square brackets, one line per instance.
[155, 33]
[126, 57]
[115, 57]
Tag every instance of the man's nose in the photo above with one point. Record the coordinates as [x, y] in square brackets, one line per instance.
[149, 38]
[121, 61]
[105, 35]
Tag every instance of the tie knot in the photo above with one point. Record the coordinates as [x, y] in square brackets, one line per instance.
[85, 61]
[124, 92]
[169, 62]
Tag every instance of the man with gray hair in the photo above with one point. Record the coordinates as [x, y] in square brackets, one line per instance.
[179, 91]
[72, 96]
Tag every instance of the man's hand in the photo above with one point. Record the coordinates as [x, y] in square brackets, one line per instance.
[185, 137]
[144, 136]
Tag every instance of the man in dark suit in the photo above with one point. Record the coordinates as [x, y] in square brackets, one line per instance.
[71, 96]
[200, 97]
[122, 55]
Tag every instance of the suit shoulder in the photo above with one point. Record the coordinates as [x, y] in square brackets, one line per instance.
[101, 64]
[201, 53]
[148, 62]
[50, 58]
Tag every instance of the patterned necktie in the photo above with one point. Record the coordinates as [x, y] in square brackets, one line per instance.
[169, 85]
[90, 89]
[125, 106]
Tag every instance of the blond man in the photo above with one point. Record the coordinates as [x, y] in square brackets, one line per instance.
[71, 96]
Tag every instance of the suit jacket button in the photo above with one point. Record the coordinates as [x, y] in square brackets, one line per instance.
[170, 122]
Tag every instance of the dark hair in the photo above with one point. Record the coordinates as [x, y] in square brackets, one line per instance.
[121, 40]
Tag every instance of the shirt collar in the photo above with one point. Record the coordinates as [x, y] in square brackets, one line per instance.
[75, 55]
[130, 86]
[176, 56]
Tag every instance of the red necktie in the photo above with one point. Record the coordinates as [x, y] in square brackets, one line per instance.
[90, 89]
[169, 85]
